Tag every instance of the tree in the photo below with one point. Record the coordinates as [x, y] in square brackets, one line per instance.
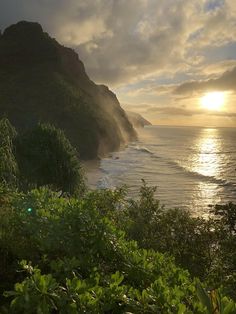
[46, 157]
[8, 164]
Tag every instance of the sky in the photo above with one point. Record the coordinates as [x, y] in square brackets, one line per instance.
[160, 57]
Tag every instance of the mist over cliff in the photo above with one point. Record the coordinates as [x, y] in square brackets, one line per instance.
[137, 120]
[43, 81]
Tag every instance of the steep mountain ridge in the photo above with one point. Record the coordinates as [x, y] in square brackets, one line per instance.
[44, 81]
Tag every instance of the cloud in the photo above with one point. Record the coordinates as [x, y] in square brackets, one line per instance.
[178, 111]
[216, 69]
[141, 108]
[145, 49]
[127, 41]
[172, 111]
[225, 82]
[218, 27]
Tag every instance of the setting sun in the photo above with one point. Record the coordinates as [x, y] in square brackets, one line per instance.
[213, 100]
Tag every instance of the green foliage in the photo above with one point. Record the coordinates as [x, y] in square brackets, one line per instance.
[8, 165]
[227, 213]
[86, 265]
[225, 266]
[206, 248]
[171, 231]
[35, 294]
[46, 157]
[215, 302]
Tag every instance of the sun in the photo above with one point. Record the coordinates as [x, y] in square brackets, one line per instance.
[213, 100]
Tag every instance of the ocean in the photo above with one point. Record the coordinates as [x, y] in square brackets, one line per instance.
[192, 167]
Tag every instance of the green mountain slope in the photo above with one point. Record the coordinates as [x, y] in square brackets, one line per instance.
[44, 81]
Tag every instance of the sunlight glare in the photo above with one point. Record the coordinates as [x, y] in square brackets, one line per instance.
[213, 100]
[207, 163]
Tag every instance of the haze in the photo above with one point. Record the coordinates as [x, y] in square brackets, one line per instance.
[160, 57]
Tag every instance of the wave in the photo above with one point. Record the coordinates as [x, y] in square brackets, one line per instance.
[105, 183]
[200, 176]
[195, 174]
[216, 153]
[143, 149]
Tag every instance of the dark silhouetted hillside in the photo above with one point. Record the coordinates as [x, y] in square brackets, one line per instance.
[43, 81]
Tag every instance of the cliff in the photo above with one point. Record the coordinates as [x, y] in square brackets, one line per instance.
[44, 81]
[137, 120]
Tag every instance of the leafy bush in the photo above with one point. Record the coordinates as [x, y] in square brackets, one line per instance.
[46, 157]
[86, 265]
[206, 248]
[224, 268]
[83, 262]
[8, 165]
[174, 231]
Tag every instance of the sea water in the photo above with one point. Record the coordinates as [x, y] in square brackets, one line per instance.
[192, 167]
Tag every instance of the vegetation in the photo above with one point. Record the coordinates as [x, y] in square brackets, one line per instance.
[204, 247]
[101, 252]
[39, 157]
[46, 157]
[85, 264]
[8, 164]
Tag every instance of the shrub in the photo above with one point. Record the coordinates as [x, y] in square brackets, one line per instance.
[206, 248]
[8, 165]
[46, 157]
[86, 265]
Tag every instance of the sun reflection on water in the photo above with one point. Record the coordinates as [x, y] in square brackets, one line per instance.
[207, 161]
